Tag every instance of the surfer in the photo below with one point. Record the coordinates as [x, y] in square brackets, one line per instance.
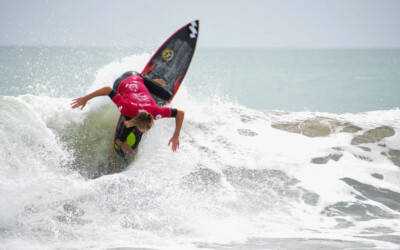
[134, 100]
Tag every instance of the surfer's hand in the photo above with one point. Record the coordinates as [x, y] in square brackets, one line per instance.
[81, 101]
[175, 143]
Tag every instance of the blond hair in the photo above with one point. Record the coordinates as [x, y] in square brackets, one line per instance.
[142, 120]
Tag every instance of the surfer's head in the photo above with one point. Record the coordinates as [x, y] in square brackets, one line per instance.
[143, 121]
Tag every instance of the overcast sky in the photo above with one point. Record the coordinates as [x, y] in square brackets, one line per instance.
[223, 23]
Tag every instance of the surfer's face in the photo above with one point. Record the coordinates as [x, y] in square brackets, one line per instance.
[142, 130]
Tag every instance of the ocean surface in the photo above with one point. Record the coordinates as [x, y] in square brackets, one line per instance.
[280, 149]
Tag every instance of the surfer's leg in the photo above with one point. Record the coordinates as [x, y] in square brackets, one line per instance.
[156, 87]
[161, 82]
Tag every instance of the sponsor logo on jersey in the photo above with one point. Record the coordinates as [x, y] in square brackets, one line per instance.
[141, 97]
[134, 87]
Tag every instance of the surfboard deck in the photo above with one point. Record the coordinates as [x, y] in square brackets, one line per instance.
[170, 62]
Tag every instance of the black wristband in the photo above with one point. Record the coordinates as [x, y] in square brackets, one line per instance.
[112, 94]
[174, 112]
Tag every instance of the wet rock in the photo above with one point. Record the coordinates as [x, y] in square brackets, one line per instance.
[359, 197]
[310, 198]
[310, 128]
[377, 176]
[364, 158]
[378, 229]
[373, 135]
[386, 197]
[338, 148]
[359, 210]
[394, 153]
[365, 149]
[317, 127]
[335, 157]
[350, 129]
[259, 186]
[320, 160]
[395, 156]
[324, 160]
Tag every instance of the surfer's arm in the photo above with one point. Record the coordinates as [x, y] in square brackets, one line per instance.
[178, 125]
[81, 101]
[124, 146]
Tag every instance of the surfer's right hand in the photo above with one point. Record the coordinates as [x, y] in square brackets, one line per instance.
[76, 103]
[81, 101]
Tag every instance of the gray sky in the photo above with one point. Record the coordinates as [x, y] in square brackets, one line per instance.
[223, 23]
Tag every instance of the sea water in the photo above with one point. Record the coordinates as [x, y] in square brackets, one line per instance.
[280, 149]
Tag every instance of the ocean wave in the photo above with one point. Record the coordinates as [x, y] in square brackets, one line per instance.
[241, 175]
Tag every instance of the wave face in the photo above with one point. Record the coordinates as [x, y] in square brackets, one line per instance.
[242, 179]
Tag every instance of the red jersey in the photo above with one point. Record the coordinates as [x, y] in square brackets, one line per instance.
[133, 97]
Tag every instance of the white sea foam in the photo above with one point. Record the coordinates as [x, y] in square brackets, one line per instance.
[239, 174]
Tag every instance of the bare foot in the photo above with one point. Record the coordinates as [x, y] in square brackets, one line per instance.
[160, 81]
[124, 146]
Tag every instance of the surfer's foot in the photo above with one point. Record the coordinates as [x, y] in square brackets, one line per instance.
[124, 146]
[160, 81]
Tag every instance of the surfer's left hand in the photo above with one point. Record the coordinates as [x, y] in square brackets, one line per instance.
[175, 143]
[76, 103]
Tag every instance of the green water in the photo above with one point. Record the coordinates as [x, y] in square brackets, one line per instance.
[296, 80]
[336, 81]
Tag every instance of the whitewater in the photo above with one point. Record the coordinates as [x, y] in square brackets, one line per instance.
[243, 178]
